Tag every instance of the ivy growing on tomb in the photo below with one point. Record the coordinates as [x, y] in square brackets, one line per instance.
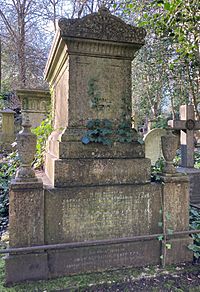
[98, 131]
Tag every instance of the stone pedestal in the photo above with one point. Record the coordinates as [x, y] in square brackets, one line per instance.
[194, 183]
[26, 228]
[175, 218]
[90, 72]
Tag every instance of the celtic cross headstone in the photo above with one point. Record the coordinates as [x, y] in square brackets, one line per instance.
[187, 124]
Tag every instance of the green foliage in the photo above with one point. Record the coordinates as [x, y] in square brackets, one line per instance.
[124, 132]
[99, 131]
[161, 122]
[3, 100]
[102, 131]
[166, 70]
[157, 169]
[8, 167]
[42, 132]
[195, 224]
[197, 160]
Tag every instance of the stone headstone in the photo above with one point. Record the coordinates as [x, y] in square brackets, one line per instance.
[152, 141]
[187, 125]
[36, 103]
[7, 136]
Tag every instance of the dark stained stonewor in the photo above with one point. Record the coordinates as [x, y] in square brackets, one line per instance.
[95, 192]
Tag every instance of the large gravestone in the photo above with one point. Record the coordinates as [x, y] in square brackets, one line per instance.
[95, 196]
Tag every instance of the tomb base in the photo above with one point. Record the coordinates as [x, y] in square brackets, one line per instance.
[194, 183]
[25, 267]
[72, 164]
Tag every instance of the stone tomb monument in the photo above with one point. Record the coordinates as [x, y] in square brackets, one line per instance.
[36, 103]
[95, 197]
[187, 125]
[152, 142]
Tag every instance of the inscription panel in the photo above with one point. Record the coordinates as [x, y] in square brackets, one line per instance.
[100, 258]
[102, 213]
[98, 88]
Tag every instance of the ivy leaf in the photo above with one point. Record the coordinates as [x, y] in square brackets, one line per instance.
[168, 245]
[85, 140]
[170, 231]
[160, 238]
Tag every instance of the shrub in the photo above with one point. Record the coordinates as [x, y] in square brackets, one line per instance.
[42, 132]
[195, 224]
[8, 167]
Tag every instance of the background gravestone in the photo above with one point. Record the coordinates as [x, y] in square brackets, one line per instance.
[7, 136]
[187, 125]
[36, 103]
[152, 141]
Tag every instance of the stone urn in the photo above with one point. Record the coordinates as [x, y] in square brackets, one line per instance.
[169, 144]
[26, 146]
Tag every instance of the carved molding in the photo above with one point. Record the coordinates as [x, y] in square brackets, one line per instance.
[102, 49]
[35, 105]
[102, 26]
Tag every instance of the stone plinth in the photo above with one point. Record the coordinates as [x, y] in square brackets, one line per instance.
[175, 210]
[26, 228]
[36, 103]
[26, 215]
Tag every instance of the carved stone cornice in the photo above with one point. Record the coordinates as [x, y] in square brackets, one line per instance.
[101, 48]
[104, 26]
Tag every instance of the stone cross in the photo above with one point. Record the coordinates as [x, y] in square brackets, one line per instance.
[187, 124]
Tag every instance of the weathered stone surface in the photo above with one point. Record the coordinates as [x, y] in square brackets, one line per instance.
[179, 251]
[36, 103]
[176, 202]
[194, 183]
[26, 214]
[169, 144]
[94, 150]
[25, 267]
[7, 136]
[101, 258]
[91, 213]
[26, 146]
[152, 141]
[69, 172]
[102, 26]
